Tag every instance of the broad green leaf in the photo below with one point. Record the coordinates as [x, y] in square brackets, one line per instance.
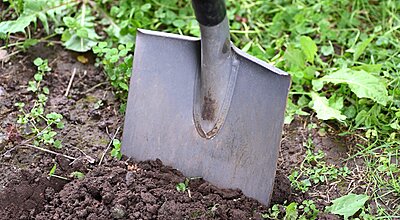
[361, 48]
[38, 77]
[32, 6]
[117, 144]
[71, 22]
[46, 90]
[129, 45]
[66, 35]
[294, 58]
[52, 134]
[53, 170]
[306, 182]
[291, 110]
[116, 153]
[347, 205]
[145, 7]
[54, 116]
[82, 32]
[102, 44]
[10, 27]
[308, 47]
[115, 30]
[303, 100]
[181, 187]
[78, 175]
[57, 144]
[297, 76]
[336, 102]
[114, 59]
[350, 111]
[370, 68]
[43, 18]
[121, 47]
[291, 212]
[124, 86]
[324, 110]
[32, 86]
[92, 35]
[310, 72]
[247, 46]
[369, 118]
[38, 61]
[363, 84]
[327, 50]
[123, 53]
[317, 85]
[395, 125]
[60, 125]
[79, 44]
[179, 23]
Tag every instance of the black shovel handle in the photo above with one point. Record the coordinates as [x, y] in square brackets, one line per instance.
[209, 12]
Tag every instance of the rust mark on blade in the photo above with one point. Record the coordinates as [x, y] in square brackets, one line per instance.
[209, 108]
[213, 132]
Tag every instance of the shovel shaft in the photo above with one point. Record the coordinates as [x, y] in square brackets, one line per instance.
[209, 12]
[216, 81]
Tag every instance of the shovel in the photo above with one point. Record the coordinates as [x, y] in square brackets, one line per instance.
[205, 107]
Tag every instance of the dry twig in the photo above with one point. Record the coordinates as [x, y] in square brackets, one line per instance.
[70, 82]
[109, 145]
[49, 151]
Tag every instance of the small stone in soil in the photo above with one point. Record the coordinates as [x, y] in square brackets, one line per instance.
[118, 211]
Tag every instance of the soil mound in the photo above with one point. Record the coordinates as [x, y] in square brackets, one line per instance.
[145, 190]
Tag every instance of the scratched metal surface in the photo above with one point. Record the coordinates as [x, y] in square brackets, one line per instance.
[159, 117]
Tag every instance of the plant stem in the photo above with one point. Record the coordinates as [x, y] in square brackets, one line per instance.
[83, 17]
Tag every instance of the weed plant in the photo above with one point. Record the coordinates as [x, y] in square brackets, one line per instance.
[42, 126]
[343, 57]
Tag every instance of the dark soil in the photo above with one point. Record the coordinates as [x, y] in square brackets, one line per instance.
[85, 136]
[145, 190]
[116, 189]
[23, 195]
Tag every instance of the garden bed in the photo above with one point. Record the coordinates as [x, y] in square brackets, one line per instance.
[125, 188]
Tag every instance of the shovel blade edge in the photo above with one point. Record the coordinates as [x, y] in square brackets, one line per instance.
[159, 116]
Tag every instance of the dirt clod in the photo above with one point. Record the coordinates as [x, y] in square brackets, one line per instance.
[106, 194]
[24, 195]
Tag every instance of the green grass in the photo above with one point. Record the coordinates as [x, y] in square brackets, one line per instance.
[343, 56]
[314, 170]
